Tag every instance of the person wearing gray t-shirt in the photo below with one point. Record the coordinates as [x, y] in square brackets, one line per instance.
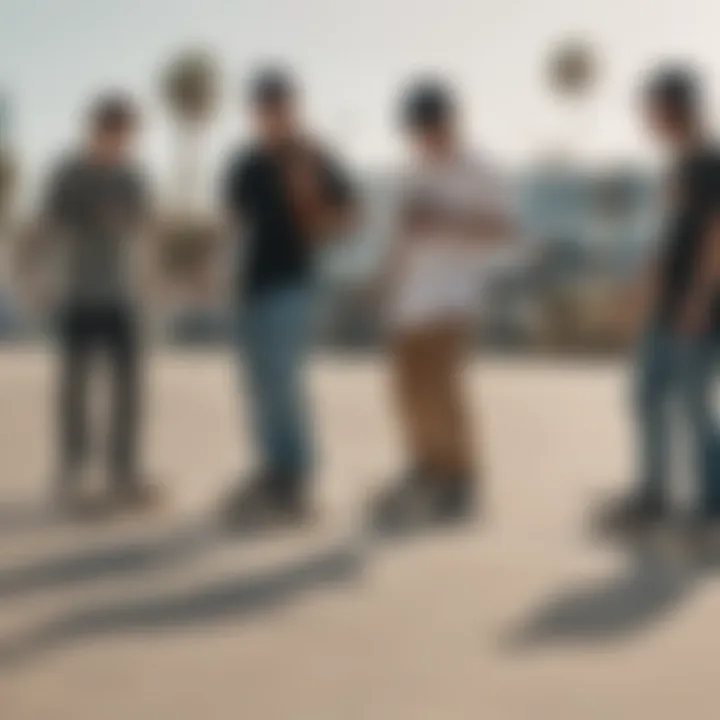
[97, 208]
[95, 205]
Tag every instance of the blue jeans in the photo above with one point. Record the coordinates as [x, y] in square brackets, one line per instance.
[671, 366]
[275, 330]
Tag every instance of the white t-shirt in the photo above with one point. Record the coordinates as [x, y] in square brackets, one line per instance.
[440, 277]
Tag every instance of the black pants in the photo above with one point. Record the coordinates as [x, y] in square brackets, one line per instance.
[83, 332]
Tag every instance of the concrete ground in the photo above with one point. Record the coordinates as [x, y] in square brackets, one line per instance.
[521, 617]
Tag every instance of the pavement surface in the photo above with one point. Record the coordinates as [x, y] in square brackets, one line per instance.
[523, 616]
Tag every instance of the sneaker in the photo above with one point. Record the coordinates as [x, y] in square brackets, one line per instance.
[74, 502]
[631, 515]
[79, 506]
[257, 504]
[455, 501]
[704, 536]
[138, 496]
[419, 501]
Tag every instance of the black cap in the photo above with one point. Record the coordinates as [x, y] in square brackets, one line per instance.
[272, 86]
[427, 104]
[676, 88]
[114, 111]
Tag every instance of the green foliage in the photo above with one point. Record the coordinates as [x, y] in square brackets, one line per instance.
[572, 68]
[8, 179]
[191, 85]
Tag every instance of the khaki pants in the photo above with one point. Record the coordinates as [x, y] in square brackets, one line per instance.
[427, 365]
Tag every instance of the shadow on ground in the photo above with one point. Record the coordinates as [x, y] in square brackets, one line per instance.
[232, 599]
[97, 564]
[651, 586]
[22, 517]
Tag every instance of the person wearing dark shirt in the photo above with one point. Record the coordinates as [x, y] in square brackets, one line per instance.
[285, 196]
[94, 207]
[679, 347]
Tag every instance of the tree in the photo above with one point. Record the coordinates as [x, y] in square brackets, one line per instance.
[191, 90]
[572, 73]
[572, 69]
[190, 87]
[8, 178]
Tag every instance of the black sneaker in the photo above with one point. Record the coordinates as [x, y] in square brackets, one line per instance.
[137, 495]
[404, 503]
[631, 515]
[74, 502]
[455, 501]
[420, 501]
[703, 534]
[261, 503]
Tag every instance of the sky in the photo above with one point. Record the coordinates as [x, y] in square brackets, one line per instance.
[352, 56]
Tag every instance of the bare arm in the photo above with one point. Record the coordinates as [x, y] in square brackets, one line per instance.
[330, 197]
[487, 227]
[634, 303]
[486, 220]
[402, 231]
[695, 311]
[483, 227]
[336, 219]
[41, 247]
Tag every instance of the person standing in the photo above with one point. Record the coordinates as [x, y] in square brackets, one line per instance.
[454, 216]
[285, 196]
[678, 348]
[95, 206]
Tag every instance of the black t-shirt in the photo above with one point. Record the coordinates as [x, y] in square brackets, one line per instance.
[696, 182]
[278, 243]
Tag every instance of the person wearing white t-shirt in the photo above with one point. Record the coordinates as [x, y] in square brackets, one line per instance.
[454, 220]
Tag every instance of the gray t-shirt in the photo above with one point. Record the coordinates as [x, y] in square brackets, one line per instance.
[95, 210]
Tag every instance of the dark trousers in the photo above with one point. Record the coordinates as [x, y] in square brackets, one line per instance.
[84, 331]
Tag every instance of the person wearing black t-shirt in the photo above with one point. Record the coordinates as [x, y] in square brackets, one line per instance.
[285, 196]
[679, 347]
